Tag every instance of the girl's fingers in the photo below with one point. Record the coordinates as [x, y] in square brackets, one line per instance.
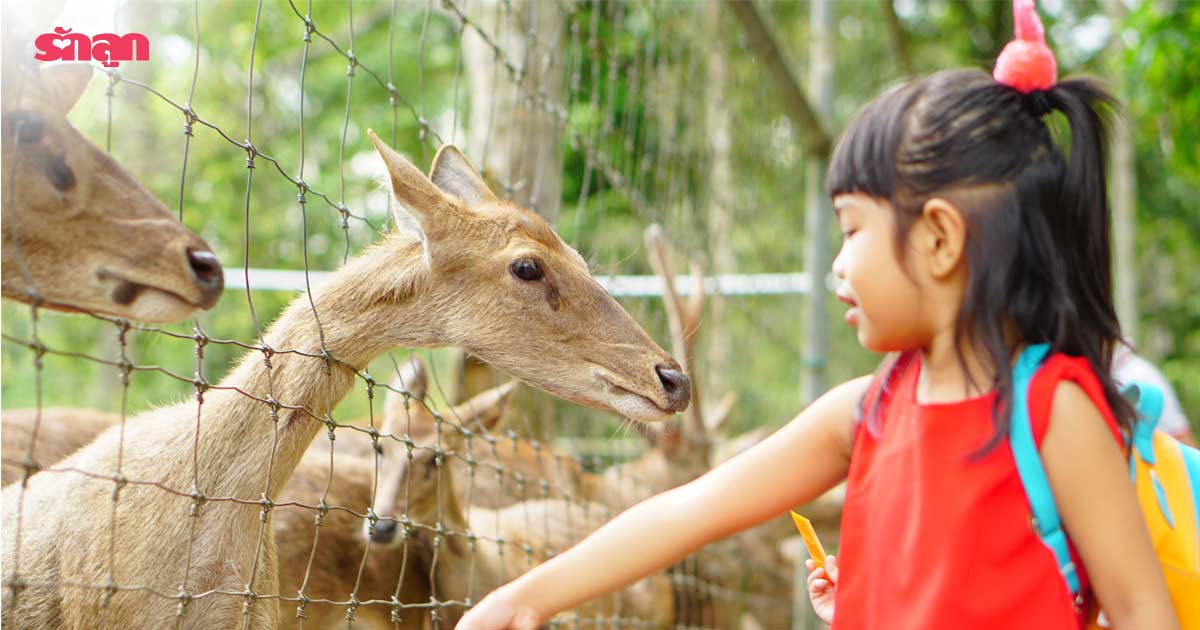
[808, 564]
[815, 578]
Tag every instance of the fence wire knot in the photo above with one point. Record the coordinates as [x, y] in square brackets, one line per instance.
[110, 589]
[184, 598]
[119, 483]
[189, 118]
[251, 153]
[267, 505]
[198, 500]
[273, 407]
[267, 351]
[31, 468]
[250, 597]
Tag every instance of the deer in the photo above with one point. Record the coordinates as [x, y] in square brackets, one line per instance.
[60, 431]
[340, 547]
[79, 233]
[186, 492]
[466, 550]
[343, 560]
[750, 559]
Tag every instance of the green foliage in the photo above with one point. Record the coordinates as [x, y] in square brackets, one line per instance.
[1160, 43]
[636, 96]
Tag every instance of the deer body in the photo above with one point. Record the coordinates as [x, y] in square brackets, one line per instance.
[341, 550]
[60, 432]
[460, 275]
[428, 489]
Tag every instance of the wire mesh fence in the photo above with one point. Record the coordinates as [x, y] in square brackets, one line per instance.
[428, 483]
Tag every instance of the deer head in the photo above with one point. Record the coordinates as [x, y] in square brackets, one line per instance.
[423, 496]
[79, 233]
[511, 292]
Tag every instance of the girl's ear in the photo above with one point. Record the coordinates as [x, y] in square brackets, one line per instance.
[941, 236]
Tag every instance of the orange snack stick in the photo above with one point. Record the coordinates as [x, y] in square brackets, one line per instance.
[815, 550]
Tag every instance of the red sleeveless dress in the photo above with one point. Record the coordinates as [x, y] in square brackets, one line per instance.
[933, 538]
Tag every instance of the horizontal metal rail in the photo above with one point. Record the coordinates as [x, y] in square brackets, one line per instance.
[796, 283]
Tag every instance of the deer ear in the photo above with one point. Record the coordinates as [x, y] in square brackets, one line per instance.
[64, 84]
[454, 174]
[486, 408]
[420, 202]
[412, 379]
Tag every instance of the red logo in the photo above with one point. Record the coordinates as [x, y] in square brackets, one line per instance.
[109, 49]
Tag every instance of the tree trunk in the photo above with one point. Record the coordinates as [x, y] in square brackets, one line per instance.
[517, 99]
[820, 83]
[1123, 196]
[515, 128]
[720, 199]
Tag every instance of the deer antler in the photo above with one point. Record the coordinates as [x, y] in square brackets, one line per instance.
[715, 421]
[683, 319]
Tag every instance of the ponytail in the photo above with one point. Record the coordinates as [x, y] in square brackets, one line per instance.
[1081, 227]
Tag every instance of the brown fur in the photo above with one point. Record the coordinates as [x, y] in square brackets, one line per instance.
[446, 286]
[79, 232]
[60, 432]
[509, 541]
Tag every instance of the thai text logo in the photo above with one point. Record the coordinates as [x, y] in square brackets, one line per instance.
[109, 49]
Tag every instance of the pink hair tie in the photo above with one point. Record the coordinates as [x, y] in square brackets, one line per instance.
[1026, 63]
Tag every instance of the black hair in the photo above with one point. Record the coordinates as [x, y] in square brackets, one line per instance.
[1037, 245]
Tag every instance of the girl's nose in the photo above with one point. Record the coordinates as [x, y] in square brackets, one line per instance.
[839, 268]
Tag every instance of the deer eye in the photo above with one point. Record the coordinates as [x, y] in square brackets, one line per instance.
[28, 126]
[527, 269]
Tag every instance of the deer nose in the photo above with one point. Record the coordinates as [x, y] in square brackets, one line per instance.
[385, 532]
[210, 278]
[677, 386]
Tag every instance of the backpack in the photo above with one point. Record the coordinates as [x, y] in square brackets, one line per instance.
[1165, 472]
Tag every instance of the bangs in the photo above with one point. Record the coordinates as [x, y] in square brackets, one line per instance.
[864, 160]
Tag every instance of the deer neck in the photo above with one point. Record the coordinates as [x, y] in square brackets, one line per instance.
[284, 395]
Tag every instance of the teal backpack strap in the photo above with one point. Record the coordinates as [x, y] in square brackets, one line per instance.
[1149, 402]
[1191, 462]
[1029, 465]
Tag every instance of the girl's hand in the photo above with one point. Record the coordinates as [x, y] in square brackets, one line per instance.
[822, 586]
[497, 611]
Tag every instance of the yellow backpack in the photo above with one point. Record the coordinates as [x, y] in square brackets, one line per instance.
[1165, 472]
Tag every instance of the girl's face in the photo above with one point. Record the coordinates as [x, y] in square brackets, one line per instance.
[885, 302]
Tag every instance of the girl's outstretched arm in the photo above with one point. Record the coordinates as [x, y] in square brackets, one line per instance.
[793, 466]
[1090, 481]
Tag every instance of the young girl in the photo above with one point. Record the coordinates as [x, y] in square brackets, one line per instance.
[967, 235]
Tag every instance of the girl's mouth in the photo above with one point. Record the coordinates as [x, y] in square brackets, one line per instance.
[852, 313]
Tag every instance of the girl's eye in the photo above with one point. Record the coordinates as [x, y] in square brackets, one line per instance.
[527, 269]
[848, 233]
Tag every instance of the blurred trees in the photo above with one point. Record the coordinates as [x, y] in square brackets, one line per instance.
[636, 148]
